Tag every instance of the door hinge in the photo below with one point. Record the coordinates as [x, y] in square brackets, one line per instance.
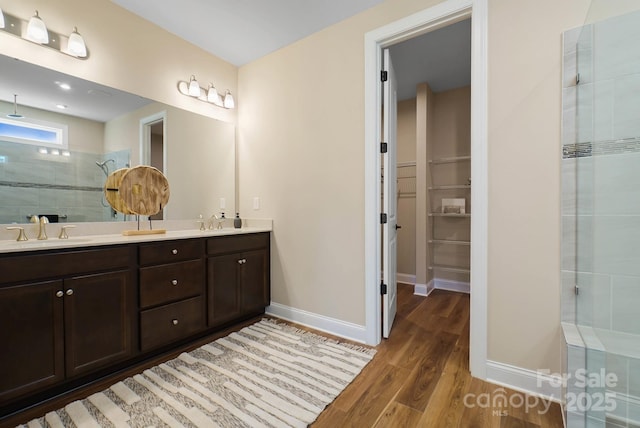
[383, 218]
[383, 288]
[577, 290]
[384, 147]
[577, 78]
[384, 76]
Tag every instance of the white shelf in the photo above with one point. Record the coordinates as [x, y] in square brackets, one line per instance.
[450, 187]
[450, 160]
[449, 215]
[454, 269]
[449, 242]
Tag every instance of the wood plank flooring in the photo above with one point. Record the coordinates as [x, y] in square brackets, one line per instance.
[420, 377]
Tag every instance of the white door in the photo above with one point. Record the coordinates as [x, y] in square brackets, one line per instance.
[389, 201]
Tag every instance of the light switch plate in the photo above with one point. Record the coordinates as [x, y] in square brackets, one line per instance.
[223, 203]
[256, 203]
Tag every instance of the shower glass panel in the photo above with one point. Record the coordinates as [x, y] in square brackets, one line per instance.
[607, 218]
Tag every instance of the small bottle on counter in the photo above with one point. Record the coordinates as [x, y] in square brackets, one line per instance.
[237, 222]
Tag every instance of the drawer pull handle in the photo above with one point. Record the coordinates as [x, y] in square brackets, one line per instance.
[59, 293]
[174, 251]
[174, 282]
[242, 261]
[69, 292]
[174, 322]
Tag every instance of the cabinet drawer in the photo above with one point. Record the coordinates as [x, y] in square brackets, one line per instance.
[237, 243]
[171, 282]
[171, 251]
[171, 322]
[56, 264]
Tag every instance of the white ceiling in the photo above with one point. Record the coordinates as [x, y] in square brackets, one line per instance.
[38, 87]
[240, 31]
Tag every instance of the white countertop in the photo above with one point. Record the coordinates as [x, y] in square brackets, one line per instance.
[97, 234]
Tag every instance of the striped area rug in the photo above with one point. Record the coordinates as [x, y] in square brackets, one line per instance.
[266, 375]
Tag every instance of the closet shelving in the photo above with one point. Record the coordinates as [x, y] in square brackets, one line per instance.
[455, 190]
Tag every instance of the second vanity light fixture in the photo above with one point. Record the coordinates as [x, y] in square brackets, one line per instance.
[35, 30]
[210, 95]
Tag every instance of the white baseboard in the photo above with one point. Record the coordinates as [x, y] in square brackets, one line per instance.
[333, 326]
[406, 278]
[450, 285]
[423, 289]
[525, 380]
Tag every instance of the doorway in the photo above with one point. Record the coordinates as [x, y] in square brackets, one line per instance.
[431, 19]
[153, 147]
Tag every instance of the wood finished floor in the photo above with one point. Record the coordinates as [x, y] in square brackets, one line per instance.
[420, 376]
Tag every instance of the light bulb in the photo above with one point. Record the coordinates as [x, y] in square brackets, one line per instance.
[194, 87]
[76, 45]
[213, 96]
[37, 30]
[228, 100]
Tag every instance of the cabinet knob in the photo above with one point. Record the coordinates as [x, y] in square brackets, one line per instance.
[174, 282]
[59, 293]
[174, 322]
[244, 261]
[69, 292]
[174, 251]
[240, 261]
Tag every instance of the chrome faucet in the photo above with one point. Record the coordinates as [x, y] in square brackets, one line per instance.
[42, 233]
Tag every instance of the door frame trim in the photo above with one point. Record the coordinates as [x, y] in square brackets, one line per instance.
[440, 15]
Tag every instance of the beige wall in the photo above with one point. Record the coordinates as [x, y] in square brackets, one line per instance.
[406, 200]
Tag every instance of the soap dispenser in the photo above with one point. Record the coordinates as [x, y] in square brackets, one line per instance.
[237, 222]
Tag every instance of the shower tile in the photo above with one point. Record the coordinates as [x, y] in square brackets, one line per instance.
[594, 300]
[613, 40]
[618, 365]
[634, 378]
[568, 297]
[626, 109]
[615, 184]
[569, 101]
[603, 96]
[616, 245]
[625, 303]
[577, 248]
[584, 112]
[575, 420]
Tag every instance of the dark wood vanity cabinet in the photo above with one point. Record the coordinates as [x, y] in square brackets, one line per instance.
[238, 276]
[63, 327]
[73, 316]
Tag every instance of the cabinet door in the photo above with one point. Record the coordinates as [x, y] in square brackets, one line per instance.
[254, 290]
[223, 288]
[98, 319]
[31, 338]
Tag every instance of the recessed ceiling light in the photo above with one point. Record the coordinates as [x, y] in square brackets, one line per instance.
[64, 86]
[61, 106]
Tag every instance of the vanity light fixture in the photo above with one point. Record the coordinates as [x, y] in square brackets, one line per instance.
[229, 102]
[210, 95]
[35, 30]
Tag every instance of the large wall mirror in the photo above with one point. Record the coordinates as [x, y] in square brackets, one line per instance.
[60, 137]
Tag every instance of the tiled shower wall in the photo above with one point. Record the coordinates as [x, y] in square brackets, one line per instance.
[601, 194]
[45, 184]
